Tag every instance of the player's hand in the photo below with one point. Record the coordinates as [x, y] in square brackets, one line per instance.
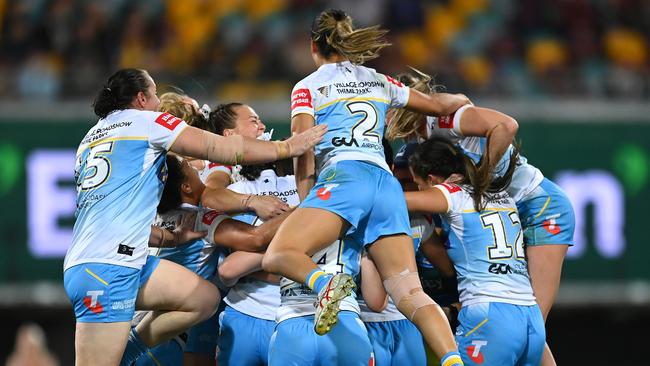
[184, 233]
[267, 207]
[305, 141]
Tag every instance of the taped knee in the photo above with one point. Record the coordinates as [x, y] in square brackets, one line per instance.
[406, 292]
[223, 150]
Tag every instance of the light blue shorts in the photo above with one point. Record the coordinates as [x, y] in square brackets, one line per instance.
[105, 293]
[501, 334]
[243, 339]
[365, 195]
[294, 343]
[547, 215]
[396, 343]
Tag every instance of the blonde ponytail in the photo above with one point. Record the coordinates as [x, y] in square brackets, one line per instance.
[403, 123]
[333, 32]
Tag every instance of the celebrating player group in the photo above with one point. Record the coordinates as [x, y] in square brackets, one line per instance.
[198, 242]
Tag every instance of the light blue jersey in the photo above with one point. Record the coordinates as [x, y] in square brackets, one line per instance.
[120, 173]
[342, 256]
[201, 256]
[487, 248]
[525, 177]
[545, 210]
[500, 322]
[352, 100]
[249, 319]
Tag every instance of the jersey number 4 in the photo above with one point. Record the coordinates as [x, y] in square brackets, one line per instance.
[501, 249]
[97, 168]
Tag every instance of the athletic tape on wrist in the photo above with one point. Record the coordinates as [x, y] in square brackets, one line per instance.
[223, 150]
[283, 149]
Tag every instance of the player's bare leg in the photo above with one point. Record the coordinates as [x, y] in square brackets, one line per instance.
[303, 233]
[394, 257]
[173, 286]
[545, 269]
[100, 344]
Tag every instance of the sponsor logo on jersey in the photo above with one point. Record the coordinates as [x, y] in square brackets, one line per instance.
[125, 249]
[500, 268]
[209, 217]
[168, 121]
[474, 351]
[342, 141]
[91, 301]
[394, 82]
[451, 188]
[325, 90]
[325, 192]
[446, 121]
[301, 98]
[551, 225]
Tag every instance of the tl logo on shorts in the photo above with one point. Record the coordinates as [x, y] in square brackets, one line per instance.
[92, 303]
[551, 226]
[325, 192]
[474, 351]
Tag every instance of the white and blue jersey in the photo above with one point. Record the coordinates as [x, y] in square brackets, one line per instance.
[488, 254]
[354, 180]
[546, 212]
[294, 341]
[352, 100]
[525, 177]
[120, 173]
[201, 256]
[248, 321]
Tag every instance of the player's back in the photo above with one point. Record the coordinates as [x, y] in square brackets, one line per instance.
[352, 100]
[486, 248]
[120, 172]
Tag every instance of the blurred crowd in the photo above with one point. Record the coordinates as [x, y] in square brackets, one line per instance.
[64, 49]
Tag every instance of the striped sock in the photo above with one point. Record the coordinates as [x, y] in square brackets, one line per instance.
[317, 279]
[451, 359]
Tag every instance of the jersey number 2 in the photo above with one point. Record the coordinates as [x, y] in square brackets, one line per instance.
[364, 129]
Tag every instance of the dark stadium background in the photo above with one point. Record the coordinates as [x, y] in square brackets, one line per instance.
[574, 73]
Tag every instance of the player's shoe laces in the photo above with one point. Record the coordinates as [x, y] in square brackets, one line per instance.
[327, 307]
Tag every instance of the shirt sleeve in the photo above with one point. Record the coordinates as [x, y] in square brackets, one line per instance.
[451, 193]
[447, 125]
[164, 129]
[397, 92]
[211, 221]
[301, 100]
[216, 167]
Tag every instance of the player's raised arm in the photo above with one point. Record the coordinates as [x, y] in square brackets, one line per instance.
[436, 104]
[238, 149]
